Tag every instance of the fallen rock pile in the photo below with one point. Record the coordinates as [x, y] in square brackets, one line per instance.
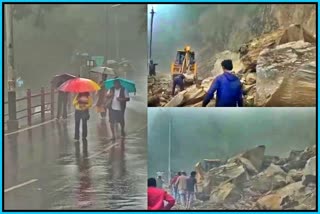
[284, 61]
[254, 181]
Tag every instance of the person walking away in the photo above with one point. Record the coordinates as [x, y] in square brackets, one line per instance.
[157, 197]
[182, 187]
[102, 100]
[228, 87]
[119, 97]
[191, 188]
[174, 187]
[178, 81]
[160, 182]
[82, 102]
[62, 105]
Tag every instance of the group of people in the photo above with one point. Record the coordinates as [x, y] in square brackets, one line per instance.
[182, 187]
[227, 86]
[113, 101]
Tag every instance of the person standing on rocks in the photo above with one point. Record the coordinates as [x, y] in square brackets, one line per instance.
[178, 81]
[152, 68]
[228, 87]
[191, 188]
[181, 183]
[157, 197]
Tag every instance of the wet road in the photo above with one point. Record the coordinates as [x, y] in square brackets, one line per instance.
[45, 169]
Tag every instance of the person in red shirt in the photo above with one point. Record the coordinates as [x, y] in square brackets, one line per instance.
[157, 197]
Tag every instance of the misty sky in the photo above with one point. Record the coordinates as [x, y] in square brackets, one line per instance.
[223, 132]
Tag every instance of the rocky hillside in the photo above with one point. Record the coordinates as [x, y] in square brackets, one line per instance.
[252, 181]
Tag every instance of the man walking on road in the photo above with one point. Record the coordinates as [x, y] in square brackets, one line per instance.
[119, 98]
[228, 87]
[157, 197]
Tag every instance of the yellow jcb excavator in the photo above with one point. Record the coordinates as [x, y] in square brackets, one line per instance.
[185, 64]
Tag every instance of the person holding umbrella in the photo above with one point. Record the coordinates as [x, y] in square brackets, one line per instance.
[57, 81]
[102, 100]
[82, 102]
[119, 96]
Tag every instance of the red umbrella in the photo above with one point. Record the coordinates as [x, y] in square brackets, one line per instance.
[79, 85]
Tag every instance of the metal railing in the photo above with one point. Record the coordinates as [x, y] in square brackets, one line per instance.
[34, 104]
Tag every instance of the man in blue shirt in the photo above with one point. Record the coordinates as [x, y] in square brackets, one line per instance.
[228, 87]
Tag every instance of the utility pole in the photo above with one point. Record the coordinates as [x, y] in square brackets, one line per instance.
[151, 30]
[13, 123]
[106, 32]
[117, 35]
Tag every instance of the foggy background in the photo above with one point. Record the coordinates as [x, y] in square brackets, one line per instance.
[46, 36]
[223, 132]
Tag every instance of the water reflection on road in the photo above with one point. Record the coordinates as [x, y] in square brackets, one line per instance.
[45, 169]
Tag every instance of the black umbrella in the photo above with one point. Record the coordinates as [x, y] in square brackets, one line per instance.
[57, 80]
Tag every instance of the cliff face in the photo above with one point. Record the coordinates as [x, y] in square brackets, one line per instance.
[228, 32]
[286, 14]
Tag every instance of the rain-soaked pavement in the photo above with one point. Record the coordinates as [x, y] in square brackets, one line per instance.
[46, 169]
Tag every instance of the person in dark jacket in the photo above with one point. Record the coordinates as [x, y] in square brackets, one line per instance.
[152, 68]
[178, 81]
[62, 105]
[228, 87]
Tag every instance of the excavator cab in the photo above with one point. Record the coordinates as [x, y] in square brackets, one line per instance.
[185, 64]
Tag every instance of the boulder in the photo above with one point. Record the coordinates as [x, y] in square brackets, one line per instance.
[286, 75]
[270, 179]
[228, 172]
[294, 175]
[176, 100]
[225, 193]
[211, 163]
[193, 95]
[153, 101]
[206, 83]
[274, 170]
[248, 165]
[235, 57]
[255, 156]
[309, 172]
[294, 189]
[251, 78]
[296, 32]
[270, 202]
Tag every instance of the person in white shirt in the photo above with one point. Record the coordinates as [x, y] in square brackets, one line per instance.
[119, 97]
